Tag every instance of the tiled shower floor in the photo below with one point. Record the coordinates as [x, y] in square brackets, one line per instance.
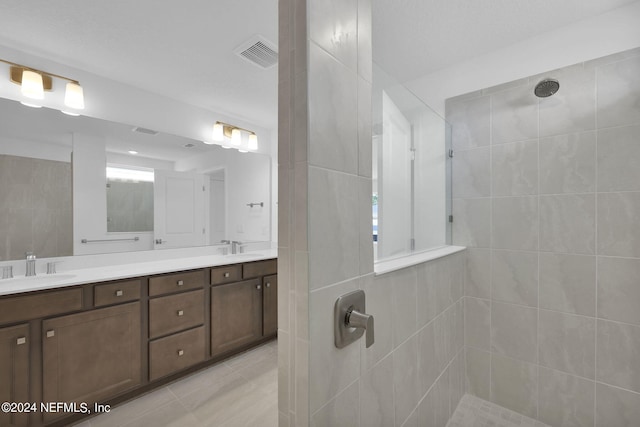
[475, 412]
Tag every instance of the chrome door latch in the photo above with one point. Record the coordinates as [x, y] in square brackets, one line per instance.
[351, 320]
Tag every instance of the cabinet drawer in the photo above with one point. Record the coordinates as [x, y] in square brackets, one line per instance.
[26, 307]
[175, 312]
[114, 293]
[176, 352]
[170, 283]
[259, 268]
[226, 274]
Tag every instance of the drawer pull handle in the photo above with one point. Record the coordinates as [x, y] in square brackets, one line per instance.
[180, 282]
[268, 284]
[258, 287]
[180, 313]
[51, 333]
[21, 340]
[119, 293]
[180, 352]
[226, 274]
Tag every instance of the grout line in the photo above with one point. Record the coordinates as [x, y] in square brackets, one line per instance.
[537, 397]
[595, 356]
[491, 248]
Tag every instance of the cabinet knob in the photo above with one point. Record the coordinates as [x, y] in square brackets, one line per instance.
[180, 313]
[268, 284]
[258, 287]
[51, 333]
[226, 274]
[119, 293]
[21, 340]
[180, 282]
[180, 352]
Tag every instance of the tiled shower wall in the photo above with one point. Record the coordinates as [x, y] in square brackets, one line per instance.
[547, 200]
[35, 207]
[413, 372]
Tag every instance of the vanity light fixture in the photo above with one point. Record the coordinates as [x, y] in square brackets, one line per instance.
[222, 130]
[35, 82]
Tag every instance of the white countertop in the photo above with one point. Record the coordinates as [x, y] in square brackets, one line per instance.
[124, 271]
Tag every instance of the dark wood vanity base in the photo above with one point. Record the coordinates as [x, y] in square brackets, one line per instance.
[110, 342]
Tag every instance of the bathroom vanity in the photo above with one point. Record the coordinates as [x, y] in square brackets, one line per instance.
[91, 340]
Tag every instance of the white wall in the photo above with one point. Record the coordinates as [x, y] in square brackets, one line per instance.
[247, 179]
[35, 149]
[591, 38]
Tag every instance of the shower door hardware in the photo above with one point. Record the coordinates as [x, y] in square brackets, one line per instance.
[450, 153]
[351, 320]
[450, 218]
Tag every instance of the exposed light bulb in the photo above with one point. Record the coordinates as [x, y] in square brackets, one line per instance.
[253, 142]
[32, 86]
[218, 132]
[74, 96]
[236, 137]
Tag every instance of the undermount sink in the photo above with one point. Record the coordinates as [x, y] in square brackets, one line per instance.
[32, 280]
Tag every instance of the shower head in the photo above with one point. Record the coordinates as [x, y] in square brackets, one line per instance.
[546, 88]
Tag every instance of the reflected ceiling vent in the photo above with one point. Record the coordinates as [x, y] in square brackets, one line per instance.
[259, 51]
[144, 130]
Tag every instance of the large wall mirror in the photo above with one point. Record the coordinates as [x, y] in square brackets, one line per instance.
[79, 185]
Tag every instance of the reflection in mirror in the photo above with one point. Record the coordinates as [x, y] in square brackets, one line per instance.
[57, 200]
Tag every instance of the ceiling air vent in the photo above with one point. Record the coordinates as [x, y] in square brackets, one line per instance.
[259, 51]
[144, 130]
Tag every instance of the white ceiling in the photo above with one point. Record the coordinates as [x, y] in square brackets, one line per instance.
[184, 50]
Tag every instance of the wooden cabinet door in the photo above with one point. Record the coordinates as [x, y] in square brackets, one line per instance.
[91, 355]
[14, 372]
[236, 315]
[270, 305]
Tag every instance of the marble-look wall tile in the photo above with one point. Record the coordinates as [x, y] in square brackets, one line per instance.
[514, 331]
[618, 354]
[334, 26]
[477, 321]
[333, 138]
[515, 223]
[403, 301]
[565, 400]
[429, 289]
[365, 234]
[568, 283]
[376, 395]
[405, 379]
[514, 115]
[333, 227]
[365, 124]
[573, 107]
[342, 410]
[283, 370]
[514, 169]
[412, 421]
[567, 223]
[514, 385]
[566, 342]
[568, 163]
[616, 407]
[427, 410]
[470, 121]
[331, 369]
[472, 222]
[442, 401]
[515, 277]
[619, 93]
[478, 373]
[457, 381]
[378, 291]
[618, 233]
[477, 279]
[428, 369]
[471, 174]
[619, 159]
[618, 290]
[365, 51]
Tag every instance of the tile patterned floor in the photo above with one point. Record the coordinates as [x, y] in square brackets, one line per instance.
[239, 392]
[475, 412]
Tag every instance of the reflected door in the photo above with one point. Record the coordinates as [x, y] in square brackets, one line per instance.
[394, 182]
[179, 209]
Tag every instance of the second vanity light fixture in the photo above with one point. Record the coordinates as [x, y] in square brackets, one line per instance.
[35, 82]
[222, 130]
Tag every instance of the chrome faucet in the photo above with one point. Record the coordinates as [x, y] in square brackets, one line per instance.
[31, 264]
[235, 245]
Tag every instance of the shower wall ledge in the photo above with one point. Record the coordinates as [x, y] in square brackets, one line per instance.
[393, 264]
